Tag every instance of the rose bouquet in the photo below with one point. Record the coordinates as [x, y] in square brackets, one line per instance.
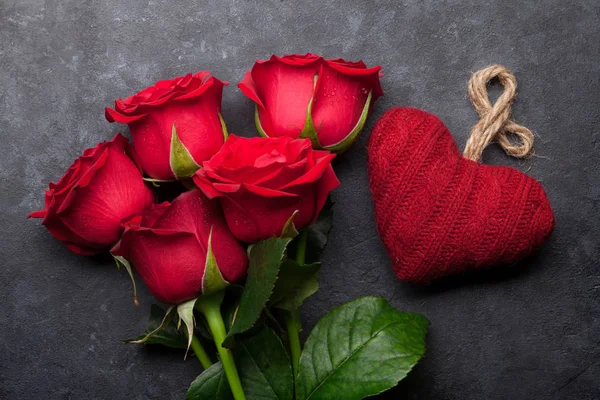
[235, 252]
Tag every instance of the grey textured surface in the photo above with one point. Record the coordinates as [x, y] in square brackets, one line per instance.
[527, 332]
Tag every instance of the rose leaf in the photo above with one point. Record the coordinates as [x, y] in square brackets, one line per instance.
[265, 259]
[360, 349]
[295, 284]
[264, 368]
[210, 384]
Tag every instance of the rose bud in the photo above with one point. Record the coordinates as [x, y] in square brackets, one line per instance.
[175, 124]
[261, 182]
[307, 96]
[102, 187]
[171, 245]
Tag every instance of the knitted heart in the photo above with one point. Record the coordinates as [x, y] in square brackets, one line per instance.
[439, 213]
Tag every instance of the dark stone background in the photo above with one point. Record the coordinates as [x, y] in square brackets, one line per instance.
[526, 332]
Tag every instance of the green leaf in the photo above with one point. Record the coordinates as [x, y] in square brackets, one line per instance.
[210, 384]
[212, 280]
[360, 349]
[182, 162]
[186, 314]
[265, 260]
[159, 330]
[318, 233]
[264, 368]
[349, 140]
[295, 284]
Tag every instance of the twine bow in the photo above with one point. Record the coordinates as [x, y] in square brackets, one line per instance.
[495, 120]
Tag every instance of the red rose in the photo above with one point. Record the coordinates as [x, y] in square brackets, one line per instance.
[262, 181]
[168, 246]
[102, 187]
[175, 125]
[308, 96]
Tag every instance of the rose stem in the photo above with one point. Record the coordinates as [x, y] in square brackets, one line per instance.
[292, 323]
[210, 306]
[292, 318]
[199, 351]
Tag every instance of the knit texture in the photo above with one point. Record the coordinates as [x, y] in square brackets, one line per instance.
[440, 214]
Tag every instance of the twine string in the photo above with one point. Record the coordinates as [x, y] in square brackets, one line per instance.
[495, 122]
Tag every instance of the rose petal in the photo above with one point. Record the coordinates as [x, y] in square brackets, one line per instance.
[339, 101]
[97, 207]
[84, 251]
[259, 218]
[172, 276]
[314, 173]
[248, 87]
[265, 192]
[152, 144]
[37, 214]
[325, 185]
[285, 91]
[202, 137]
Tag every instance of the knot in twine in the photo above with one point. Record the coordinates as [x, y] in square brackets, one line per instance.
[495, 120]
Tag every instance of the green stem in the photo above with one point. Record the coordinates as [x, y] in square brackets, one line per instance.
[210, 306]
[200, 352]
[292, 318]
[301, 247]
[292, 323]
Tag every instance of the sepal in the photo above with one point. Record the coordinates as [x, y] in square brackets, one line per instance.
[122, 261]
[259, 127]
[156, 182]
[167, 335]
[212, 280]
[309, 130]
[289, 230]
[223, 127]
[181, 161]
[166, 320]
[186, 314]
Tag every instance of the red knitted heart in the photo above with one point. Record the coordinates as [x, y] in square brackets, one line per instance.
[439, 213]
